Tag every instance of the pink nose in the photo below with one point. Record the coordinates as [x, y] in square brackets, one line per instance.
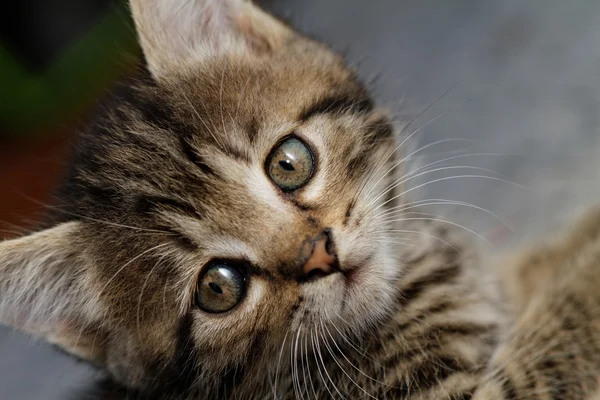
[320, 263]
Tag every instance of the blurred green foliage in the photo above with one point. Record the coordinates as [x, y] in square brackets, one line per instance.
[34, 102]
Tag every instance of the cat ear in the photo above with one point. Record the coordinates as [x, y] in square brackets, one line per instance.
[172, 32]
[44, 290]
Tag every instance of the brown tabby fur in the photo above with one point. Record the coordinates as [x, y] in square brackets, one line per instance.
[172, 176]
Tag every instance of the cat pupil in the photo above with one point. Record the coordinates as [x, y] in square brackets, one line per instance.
[287, 165]
[215, 288]
[290, 164]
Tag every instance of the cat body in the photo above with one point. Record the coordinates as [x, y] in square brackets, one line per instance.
[233, 227]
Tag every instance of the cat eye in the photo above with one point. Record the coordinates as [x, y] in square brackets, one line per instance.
[220, 287]
[291, 164]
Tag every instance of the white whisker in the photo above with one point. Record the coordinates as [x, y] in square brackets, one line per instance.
[325, 369]
[210, 131]
[383, 160]
[408, 157]
[109, 223]
[412, 175]
[317, 351]
[446, 179]
[350, 362]
[221, 99]
[430, 202]
[407, 231]
[331, 353]
[295, 376]
[140, 297]
[308, 369]
[129, 263]
[278, 365]
[304, 368]
[413, 171]
[445, 222]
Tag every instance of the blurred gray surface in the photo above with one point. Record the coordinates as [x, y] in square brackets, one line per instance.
[524, 79]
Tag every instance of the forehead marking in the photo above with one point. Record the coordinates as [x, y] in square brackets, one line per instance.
[357, 102]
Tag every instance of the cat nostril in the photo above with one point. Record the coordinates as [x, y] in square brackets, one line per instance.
[315, 274]
[321, 263]
[329, 241]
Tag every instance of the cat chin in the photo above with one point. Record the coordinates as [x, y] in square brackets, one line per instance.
[353, 300]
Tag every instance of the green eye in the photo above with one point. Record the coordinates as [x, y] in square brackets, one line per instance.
[291, 164]
[220, 288]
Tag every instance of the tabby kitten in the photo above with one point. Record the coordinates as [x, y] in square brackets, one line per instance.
[231, 228]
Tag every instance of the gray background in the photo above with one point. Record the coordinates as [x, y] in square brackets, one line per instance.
[524, 79]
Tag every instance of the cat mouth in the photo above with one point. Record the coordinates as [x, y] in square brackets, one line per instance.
[353, 279]
[352, 273]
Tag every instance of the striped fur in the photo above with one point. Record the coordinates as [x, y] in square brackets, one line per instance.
[172, 176]
[552, 351]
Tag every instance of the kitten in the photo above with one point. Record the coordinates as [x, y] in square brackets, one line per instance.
[232, 228]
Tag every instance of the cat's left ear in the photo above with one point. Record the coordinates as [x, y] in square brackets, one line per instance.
[45, 290]
[173, 33]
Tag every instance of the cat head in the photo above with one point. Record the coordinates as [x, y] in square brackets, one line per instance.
[226, 206]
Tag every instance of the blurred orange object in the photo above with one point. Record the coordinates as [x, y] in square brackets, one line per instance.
[29, 170]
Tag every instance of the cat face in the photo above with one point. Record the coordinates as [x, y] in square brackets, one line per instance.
[224, 208]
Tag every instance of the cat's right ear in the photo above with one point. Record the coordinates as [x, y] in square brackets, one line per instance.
[175, 32]
[46, 290]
